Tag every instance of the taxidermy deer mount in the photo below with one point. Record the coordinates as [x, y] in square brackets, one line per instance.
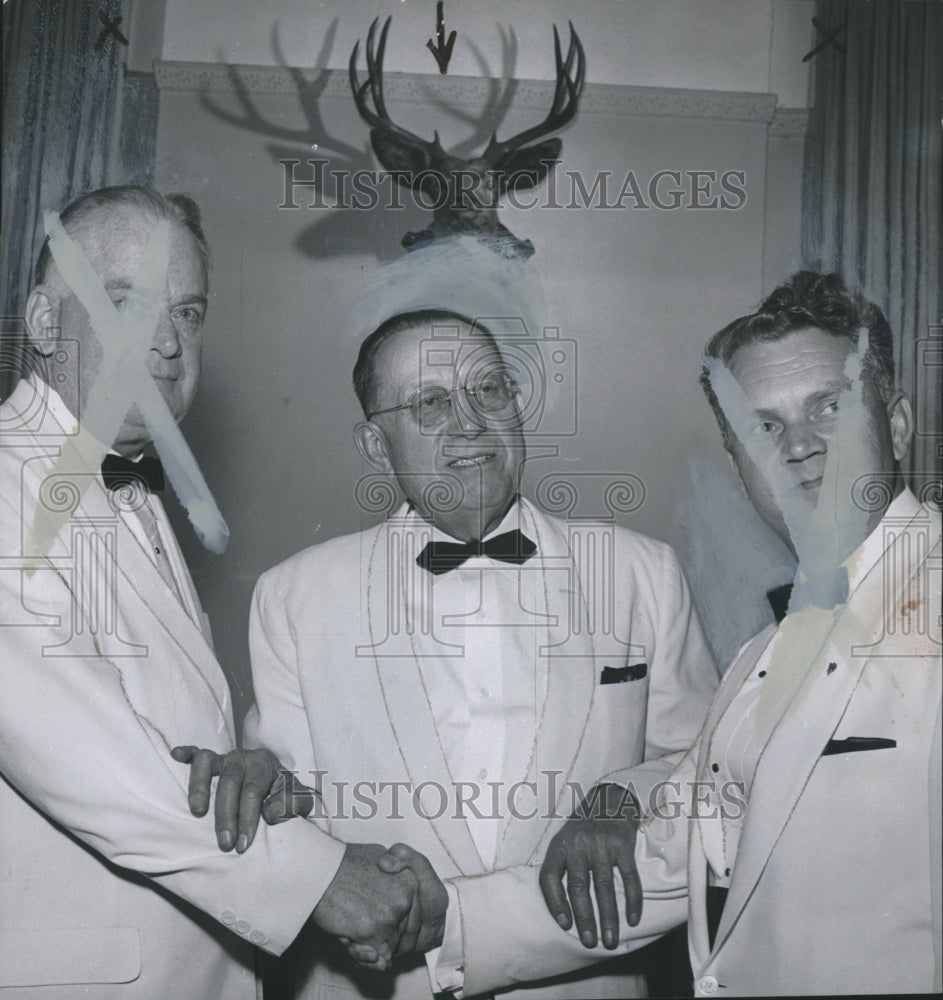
[464, 193]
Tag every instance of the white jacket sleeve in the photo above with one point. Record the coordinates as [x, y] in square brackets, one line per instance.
[86, 739]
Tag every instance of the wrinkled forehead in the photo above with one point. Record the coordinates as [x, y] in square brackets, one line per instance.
[443, 353]
[804, 360]
[114, 237]
[112, 229]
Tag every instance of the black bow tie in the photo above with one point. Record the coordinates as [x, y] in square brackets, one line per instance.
[778, 599]
[118, 471]
[510, 547]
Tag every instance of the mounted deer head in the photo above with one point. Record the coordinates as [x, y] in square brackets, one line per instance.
[464, 193]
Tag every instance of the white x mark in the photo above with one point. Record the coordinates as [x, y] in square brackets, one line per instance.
[125, 334]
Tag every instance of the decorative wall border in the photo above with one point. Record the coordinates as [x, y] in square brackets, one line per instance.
[789, 123]
[467, 91]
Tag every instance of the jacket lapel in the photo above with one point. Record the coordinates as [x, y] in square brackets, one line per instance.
[100, 558]
[137, 570]
[822, 643]
[400, 620]
[567, 683]
[120, 602]
[738, 672]
[180, 690]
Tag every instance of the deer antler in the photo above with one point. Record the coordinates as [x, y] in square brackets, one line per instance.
[463, 190]
[379, 120]
[309, 99]
[566, 97]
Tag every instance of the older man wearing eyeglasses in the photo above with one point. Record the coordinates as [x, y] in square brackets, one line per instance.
[441, 677]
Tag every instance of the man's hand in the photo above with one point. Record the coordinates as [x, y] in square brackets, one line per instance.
[372, 913]
[251, 784]
[599, 838]
[433, 898]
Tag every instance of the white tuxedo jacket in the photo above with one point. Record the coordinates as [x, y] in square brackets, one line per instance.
[836, 884]
[339, 694]
[110, 888]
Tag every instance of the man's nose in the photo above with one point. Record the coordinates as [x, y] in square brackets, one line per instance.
[802, 441]
[166, 338]
[465, 418]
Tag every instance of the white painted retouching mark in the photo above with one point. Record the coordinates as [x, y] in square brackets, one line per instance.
[822, 536]
[125, 333]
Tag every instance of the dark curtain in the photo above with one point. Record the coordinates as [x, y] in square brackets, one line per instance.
[60, 96]
[871, 193]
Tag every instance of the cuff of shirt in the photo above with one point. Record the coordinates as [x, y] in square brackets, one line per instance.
[446, 963]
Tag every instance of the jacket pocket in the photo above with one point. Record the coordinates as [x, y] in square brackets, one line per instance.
[857, 744]
[622, 675]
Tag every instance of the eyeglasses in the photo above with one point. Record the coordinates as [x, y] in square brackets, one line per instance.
[432, 407]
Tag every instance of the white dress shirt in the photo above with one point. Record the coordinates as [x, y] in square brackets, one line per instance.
[483, 699]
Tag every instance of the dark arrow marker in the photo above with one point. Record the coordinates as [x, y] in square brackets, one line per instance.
[111, 28]
[443, 50]
[830, 39]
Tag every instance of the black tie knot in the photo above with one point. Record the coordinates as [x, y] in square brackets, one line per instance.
[118, 471]
[510, 547]
[778, 599]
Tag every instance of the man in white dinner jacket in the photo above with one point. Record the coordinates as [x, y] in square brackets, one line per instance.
[825, 879]
[449, 677]
[110, 888]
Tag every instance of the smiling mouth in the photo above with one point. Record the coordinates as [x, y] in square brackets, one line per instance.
[470, 462]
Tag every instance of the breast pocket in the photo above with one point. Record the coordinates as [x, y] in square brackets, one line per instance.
[625, 674]
[620, 709]
[857, 744]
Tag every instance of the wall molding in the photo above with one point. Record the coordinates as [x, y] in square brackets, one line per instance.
[466, 91]
[789, 123]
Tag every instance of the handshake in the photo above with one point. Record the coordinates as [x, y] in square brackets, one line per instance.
[382, 902]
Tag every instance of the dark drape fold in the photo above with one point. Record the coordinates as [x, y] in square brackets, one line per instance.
[60, 96]
[872, 186]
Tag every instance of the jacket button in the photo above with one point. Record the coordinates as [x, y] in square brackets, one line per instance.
[242, 927]
[257, 937]
[707, 985]
[228, 917]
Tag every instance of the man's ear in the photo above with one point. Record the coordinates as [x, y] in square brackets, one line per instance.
[42, 319]
[371, 443]
[900, 415]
